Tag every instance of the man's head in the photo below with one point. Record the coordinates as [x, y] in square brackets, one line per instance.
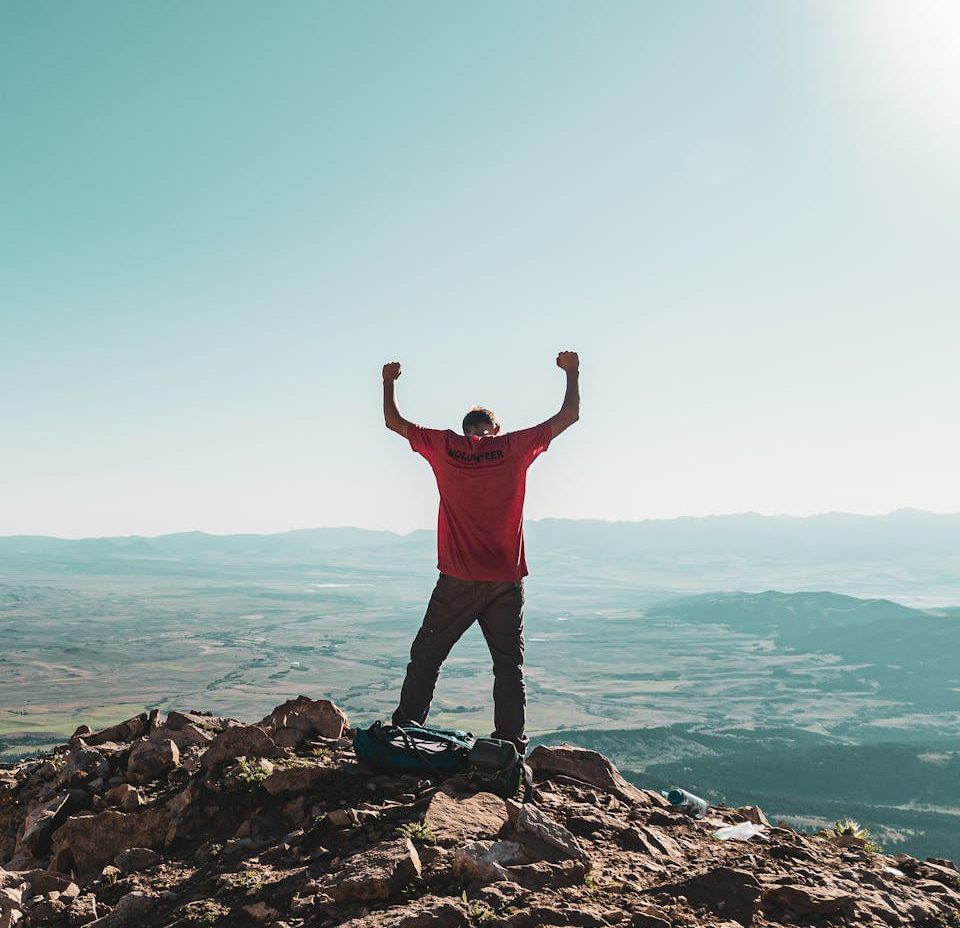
[480, 421]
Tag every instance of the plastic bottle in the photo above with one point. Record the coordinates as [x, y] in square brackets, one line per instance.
[681, 799]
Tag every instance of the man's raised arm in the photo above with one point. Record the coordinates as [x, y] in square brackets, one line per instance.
[391, 415]
[569, 363]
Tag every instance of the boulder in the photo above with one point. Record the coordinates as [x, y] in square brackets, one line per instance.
[84, 764]
[376, 873]
[754, 814]
[86, 843]
[126, 797]
[486, 861]
[239, 741]
[129, 730]
[299, 719]
[41, 822]
[151, 759]
[295, 780]
[83, 911]
[586, 766]
[134, 859]
[453, 820]
[537, 823]
[650, 840]
[725, 891]
[810, 900]
[185, 737]
[544, 875]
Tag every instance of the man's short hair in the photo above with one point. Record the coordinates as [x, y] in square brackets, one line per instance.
[479, 416]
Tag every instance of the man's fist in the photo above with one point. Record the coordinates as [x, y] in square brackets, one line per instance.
[391, 370]
[568, 361]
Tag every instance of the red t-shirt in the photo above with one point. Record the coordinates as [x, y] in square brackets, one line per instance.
[482, 481]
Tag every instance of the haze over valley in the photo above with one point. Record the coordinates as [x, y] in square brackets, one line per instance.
[810, 666]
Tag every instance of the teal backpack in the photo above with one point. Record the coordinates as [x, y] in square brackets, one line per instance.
[490, 764]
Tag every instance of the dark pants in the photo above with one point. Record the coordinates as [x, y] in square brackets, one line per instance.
[454, 606]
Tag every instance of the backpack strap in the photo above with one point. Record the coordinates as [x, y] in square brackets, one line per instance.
[527, 775]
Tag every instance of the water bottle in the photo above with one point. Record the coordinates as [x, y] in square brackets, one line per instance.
[681, 799]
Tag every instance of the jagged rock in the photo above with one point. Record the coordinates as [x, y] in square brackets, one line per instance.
[84, 763]
[41, 822]
[428, 912]
[43, 882]
[129, 912]
[129, 730]
[754, 814]
[239, 741]
[586, 766]
[214, 724]
[294, 780]
[302, 718]
[544, 875]
[126, 797]
[85, 843]
[83, 911]
[261, 912]
[651, 841]
[650, 917]
[809, 900]
[728, 892]
[540, 825]
[189, 735]
[151, 759]
[544, 916]
[487, 861]
[134, 859]
[47, 911]
[453, 820]
[376, 873]
[11, 898]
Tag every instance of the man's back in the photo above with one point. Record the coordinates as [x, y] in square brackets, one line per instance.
[482, 484]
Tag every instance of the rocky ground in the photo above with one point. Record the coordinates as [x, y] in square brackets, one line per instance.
[199, 820]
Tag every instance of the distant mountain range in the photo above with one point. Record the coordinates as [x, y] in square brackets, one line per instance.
[838, 537]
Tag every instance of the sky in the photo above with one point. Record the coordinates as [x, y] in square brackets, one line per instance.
[219, 220]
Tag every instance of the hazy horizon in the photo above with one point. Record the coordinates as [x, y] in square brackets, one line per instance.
[544, 518]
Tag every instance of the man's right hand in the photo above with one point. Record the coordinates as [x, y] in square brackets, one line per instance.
[568, 361]
[391, 371]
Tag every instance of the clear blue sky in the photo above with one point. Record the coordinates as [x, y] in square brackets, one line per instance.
[219, 219]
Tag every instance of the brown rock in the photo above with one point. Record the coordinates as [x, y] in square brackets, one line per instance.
[586, 766]
[134, 859]
[86, 843]
[150, 759]
[809, 900]
[295, 779]
[536, 822]
[454, 820]
[544, 875]
[650, 917]
[83, 911]
[185, 737]
[41, 822]
[651, 841]
[213, 724]
[239, 741]
[725, 891]
[376, 873]
[126, 797]
[486, 861]
[303, 718]
[129, 730]
[754, 814]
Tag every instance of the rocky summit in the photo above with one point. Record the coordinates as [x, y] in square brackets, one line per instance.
[198, 820]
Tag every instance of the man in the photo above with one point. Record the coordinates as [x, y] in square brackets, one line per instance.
[481, 476]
